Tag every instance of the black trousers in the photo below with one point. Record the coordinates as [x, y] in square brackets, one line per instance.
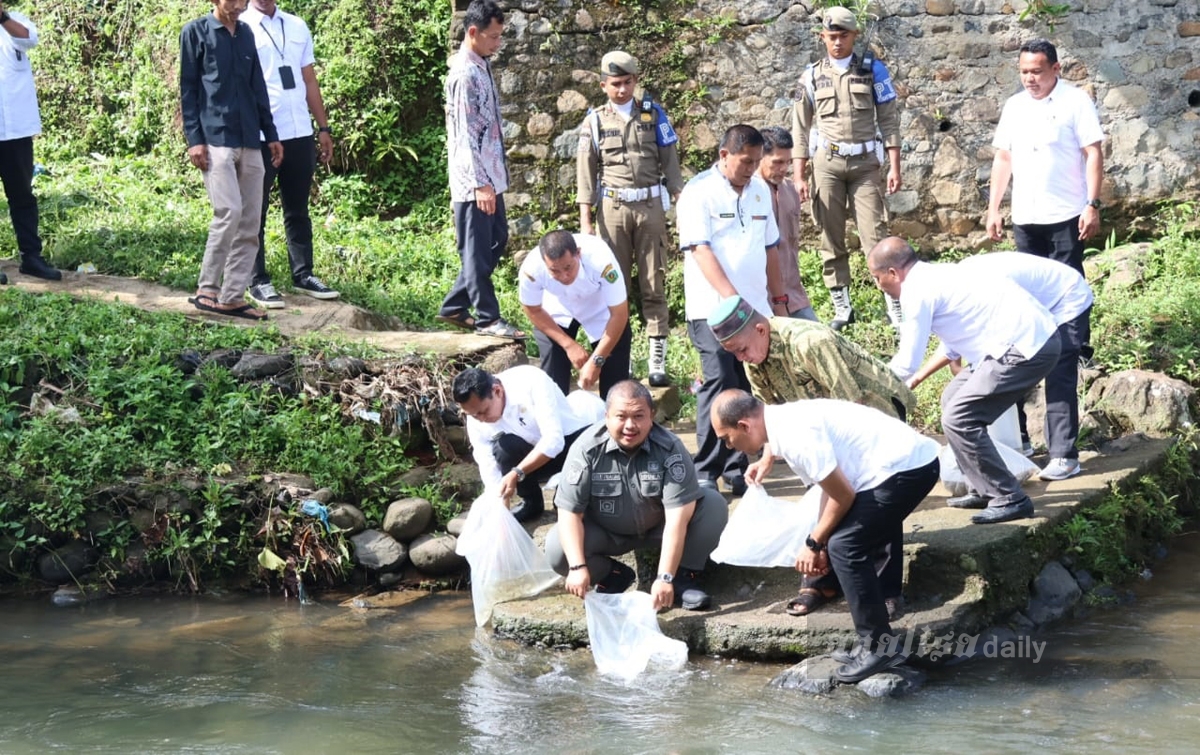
[16, 173]
[509, 450]
[295, 176]
[1059, 242]
[557, 365]
[722, 370]
[482, 239]
[875, 520]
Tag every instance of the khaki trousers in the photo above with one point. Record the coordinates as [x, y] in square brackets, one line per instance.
[836, 180]
[234, 181]
[635, 231]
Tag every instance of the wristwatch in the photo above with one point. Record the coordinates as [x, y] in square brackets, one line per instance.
[667, 577]
[1094, 203]
[814, 545]
[325, 130]
[520, 474]
[599, 360]
[4, 16]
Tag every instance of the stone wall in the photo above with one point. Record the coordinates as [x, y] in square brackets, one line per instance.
[718, 63]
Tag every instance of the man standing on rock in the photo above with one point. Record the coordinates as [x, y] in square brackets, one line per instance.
[785, 200]
[851, 104]
[1009, 340]
[478, 174]
[573, 281]
[629, 484]
[627, 148]
[731, 248]
[520, 426]
[285, 51]
[19, 123]
[873, 471]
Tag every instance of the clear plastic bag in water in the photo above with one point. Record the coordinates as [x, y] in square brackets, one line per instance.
[625, 637]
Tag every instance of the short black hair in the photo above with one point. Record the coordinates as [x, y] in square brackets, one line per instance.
[629, 390]
[739, 137]
[473, 382]
[736, 406]
[481, 13]
[776, 137]
[1040, 47]
[557, 243]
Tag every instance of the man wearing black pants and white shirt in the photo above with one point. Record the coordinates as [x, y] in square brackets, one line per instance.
[285, 50]
[1009, 340]
[873, 471]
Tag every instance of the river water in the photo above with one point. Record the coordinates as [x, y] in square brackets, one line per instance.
[266, 676]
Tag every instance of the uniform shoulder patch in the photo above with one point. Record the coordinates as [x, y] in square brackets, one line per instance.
[610, 273]
[677, 471]
[575, 472]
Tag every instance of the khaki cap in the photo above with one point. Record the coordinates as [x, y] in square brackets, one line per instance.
[618, 63]
[840, 19]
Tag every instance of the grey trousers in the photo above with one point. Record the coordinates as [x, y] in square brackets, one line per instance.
[703, 534]
[234, 180]
[976, 398]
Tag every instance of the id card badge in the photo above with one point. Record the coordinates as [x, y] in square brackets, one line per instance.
[287, 78]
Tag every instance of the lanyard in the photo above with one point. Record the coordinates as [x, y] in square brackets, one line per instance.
[283, 30]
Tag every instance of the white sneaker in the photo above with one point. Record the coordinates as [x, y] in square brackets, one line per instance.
[1060, 469]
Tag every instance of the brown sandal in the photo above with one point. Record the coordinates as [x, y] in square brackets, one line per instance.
[809, 600]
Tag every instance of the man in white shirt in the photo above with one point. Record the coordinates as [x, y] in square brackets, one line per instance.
[873, 471]
[730, 240]
[1048, 142]
[520, 426]
[19, 123]
[573, 281]
[285, 50]
[1009, 340]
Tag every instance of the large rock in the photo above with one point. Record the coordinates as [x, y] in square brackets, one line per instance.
[812, 675]
[461, 482]
[66, 564]
[1139, 401]
[253, 366]
[435, 555]
[377, 551]
[407, 518]
[347, 517]
[1055, 592]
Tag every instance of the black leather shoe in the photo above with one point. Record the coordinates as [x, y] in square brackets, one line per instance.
[736, 483]
[527, 511]
[864, 665]
[619, 578]
[3, 279]
[968, 501]
[993, 514]
[847, 656]
[688, 593]
[37, 266]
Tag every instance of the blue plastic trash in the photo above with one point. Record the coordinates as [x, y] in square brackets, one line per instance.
[312, 507]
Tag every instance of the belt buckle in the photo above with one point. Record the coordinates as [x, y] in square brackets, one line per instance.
[612, 194]
[835, 149]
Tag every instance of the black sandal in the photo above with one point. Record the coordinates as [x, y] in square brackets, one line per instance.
[809, 600]
[461, 320]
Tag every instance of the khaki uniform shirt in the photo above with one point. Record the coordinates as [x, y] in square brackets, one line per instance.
[626, 494]
[846, 106]
[806, 360]
[626, 154]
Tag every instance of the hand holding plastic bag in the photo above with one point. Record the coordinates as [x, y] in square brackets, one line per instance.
[505, 562]
[625, 637]
[767, 531]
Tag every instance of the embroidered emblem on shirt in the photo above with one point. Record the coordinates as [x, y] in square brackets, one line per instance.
[608, 507]
[758, 217]
[609, 274]
[727, 215]
[677, 471]
[575, 473]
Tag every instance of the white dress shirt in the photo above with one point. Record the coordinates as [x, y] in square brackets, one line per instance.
[534, 409]
[597, 287]
[19, 116]
[282, 40]
[818, 435]
[1057, 286]
[1045, 138]
[738, 228]
[975, 317]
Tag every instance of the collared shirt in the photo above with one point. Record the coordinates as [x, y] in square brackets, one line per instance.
[222, 93]
[785, 200]
[807, 360]
[1045, 138]
[536, 410]
[597, 287]
[284, 40]
[737, 227]
[626, 493]
[975, 317]
[632, 150]
[1057, 287]
[815, 437]
[19, 116]
[474, 128]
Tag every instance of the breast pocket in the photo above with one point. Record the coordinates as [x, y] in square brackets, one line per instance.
[650, 484]
[607, 495]
[825, 102]
[861, 96]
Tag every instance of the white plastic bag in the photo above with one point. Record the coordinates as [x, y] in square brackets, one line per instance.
[586, 404]
[767, 531]
[1006, 430]
[956, 482]
[505, 562]
[625, 637]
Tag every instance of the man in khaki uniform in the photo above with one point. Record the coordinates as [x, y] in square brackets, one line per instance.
[851, 106]
[789, 359]
[626, 149]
